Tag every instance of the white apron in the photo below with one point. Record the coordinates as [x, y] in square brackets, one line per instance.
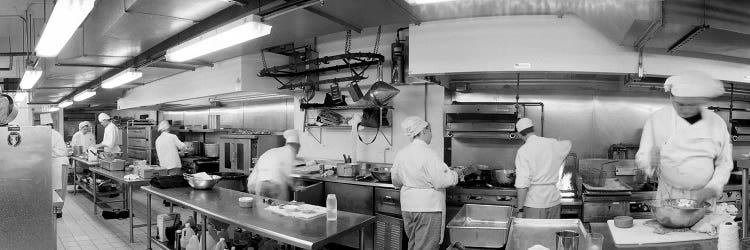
[686, 161]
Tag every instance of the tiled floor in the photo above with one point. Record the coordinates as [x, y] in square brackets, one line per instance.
[80, 228]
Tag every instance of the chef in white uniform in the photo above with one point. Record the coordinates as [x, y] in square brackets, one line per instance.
[167, 145]
[83, 137]
[686, 144]
[59, 154]
[111, 135]
[538, 164]
[422, 177]
[271, 176]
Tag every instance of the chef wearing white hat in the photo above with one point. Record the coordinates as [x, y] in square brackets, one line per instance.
[538, 164]
[167, 145]
[59, 153]
[688, 144]
[83, 137]
[111, 134]
[271, 176]
[422, 177]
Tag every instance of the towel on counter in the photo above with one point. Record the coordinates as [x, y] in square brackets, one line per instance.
[722, 213]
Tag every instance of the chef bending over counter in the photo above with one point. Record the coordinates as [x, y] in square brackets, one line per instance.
[686, 145]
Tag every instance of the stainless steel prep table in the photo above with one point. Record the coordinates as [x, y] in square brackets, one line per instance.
[609, 243]
[222, 204]
[119, 177]
[78, 160]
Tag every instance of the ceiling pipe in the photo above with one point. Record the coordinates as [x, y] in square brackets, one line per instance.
[222, 17]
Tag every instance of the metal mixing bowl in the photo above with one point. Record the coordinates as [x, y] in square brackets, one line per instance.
[202, 184]
[382, 174]
[678, 213]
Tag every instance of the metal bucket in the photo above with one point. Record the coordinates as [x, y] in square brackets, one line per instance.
[567, 240]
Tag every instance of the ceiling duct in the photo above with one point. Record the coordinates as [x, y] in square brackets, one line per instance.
[716, 29]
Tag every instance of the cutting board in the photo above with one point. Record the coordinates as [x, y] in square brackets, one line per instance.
[641, 234]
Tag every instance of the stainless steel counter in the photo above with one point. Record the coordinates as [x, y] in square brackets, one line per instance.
[221, 204]
[344, 180]
[610, 245]
[84, 161]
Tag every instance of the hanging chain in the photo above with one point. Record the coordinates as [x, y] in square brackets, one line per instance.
[377, 41]
[348, 41]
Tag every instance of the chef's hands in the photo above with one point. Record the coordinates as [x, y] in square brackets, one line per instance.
[707, 193]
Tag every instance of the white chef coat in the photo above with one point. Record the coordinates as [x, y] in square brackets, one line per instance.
[275, 165]
[110, 140]
[166, 148]
[688, 156]
[86, 140]
[422, 177]
[538, 164]
[59, 157]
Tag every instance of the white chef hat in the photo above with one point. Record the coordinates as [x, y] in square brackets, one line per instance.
[8, 111]
[45, 118]
[83, 124]
[163, 125]
[413, 125]
[694, 84]
[291, 136]
[103, 116]
[523, 124]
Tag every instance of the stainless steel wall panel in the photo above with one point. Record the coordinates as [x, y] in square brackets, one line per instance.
[268, 115]
[195, 117]
[230, 116]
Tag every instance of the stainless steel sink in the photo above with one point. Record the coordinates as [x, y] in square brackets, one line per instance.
[481, 226]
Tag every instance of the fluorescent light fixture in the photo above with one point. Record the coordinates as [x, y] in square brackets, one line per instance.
[54, 109]
[65, 104]
[66, 17]
[234, 33]
[416, 2]
[21, 97]
[522, 65]
[30, 77]
[121, 78]
[86, 94]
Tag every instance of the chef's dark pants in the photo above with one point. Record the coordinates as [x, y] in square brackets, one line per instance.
[423, 229]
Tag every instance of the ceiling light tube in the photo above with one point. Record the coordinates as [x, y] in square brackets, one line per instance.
[86, 94]
[234, 33]
[30, 77]
[65, 19]
[54, 109]
[65, 104]
[121, 78]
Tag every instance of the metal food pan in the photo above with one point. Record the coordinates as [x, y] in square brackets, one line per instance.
[480, 225]
[525, 233]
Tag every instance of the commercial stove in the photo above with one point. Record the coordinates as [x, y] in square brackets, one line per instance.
[502, 196]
